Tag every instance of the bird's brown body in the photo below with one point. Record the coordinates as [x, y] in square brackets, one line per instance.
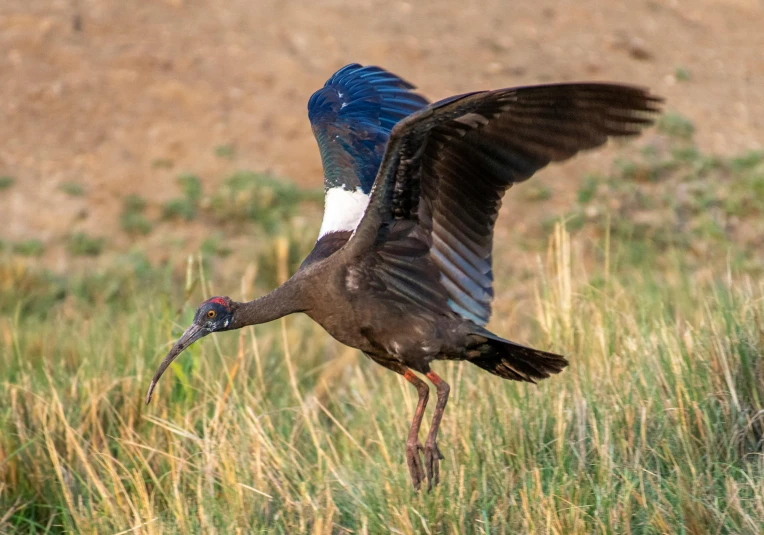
[403, 270]
[388, 330]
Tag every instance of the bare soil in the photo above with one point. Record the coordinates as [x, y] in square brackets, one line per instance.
[120, 97]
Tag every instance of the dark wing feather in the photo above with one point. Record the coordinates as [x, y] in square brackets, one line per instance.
[448, 166]
[400, 268]
[352, 116]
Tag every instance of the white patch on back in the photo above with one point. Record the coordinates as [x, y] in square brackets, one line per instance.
[343, 210]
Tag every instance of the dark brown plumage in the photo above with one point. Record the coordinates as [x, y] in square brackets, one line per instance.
[404, 274]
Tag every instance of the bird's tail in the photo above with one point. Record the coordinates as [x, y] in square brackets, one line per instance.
[513, 361]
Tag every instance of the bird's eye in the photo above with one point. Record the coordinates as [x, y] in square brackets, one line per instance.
[210, 313]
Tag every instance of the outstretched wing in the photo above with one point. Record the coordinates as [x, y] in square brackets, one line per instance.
[351, 117]
[448, 166]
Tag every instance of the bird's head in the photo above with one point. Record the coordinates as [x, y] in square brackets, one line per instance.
[215, 314]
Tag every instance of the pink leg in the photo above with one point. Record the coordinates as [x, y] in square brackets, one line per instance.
[432, 455]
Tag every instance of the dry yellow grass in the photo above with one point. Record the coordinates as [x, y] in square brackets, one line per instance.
[656, 427]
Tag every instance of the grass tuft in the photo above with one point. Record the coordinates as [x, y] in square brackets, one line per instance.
[655, 427]
[29, 248]
[187, 206]
[227, 151]
[81, 244]
[682, 74]
[132, 219]
[263, 199]
[676, 125]
[73, 189]
[6, 182]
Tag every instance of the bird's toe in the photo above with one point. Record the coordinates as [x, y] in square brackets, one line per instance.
[432, 458]
[414, 462]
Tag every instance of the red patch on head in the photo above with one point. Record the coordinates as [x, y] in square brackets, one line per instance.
[219, 301]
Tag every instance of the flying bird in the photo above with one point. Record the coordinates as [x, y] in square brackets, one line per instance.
[402, 268]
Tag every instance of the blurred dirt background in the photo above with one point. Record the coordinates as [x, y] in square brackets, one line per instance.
[119, 98]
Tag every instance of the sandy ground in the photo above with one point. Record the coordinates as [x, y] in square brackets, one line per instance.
[97, 92]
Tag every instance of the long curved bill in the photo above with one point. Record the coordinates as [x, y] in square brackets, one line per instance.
[191, 335]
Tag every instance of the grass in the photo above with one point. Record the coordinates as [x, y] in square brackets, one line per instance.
[682, 74]
[676, 125]
[29, 248]
[260, 198]
[677, 197]
[72, 189]
[656, 427]
[244, 197]
[81, 244]
[162, 163]
[185, 207]
[6, 182]
[179, 208]
[213, 246]
[537, 192]
[588, 189]
[225, 151]
[132, 219]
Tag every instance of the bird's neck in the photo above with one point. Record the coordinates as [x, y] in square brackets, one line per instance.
[284, 300]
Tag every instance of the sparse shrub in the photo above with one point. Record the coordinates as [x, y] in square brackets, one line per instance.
[29, 248]
[132, 219]
[675, 125]
[686, 154]
[133, 223]
[191, 186]
[73, 189]
[748, 160]
[650, 171]
[261, 198]
[179, 208]
[134, 203]
[80, 244]
[162, 163]
[536, 192]
[212, 246]
[678, 199]
[588, 189]
[225, 151]
[6, 182]
[185, 207]
[682, 74]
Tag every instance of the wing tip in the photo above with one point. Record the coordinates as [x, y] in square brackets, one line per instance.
[367, 93]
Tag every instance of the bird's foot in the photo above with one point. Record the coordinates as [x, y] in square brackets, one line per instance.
[432, 458]
[415, 463]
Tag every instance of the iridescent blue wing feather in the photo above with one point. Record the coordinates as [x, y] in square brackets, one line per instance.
[352, 116]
